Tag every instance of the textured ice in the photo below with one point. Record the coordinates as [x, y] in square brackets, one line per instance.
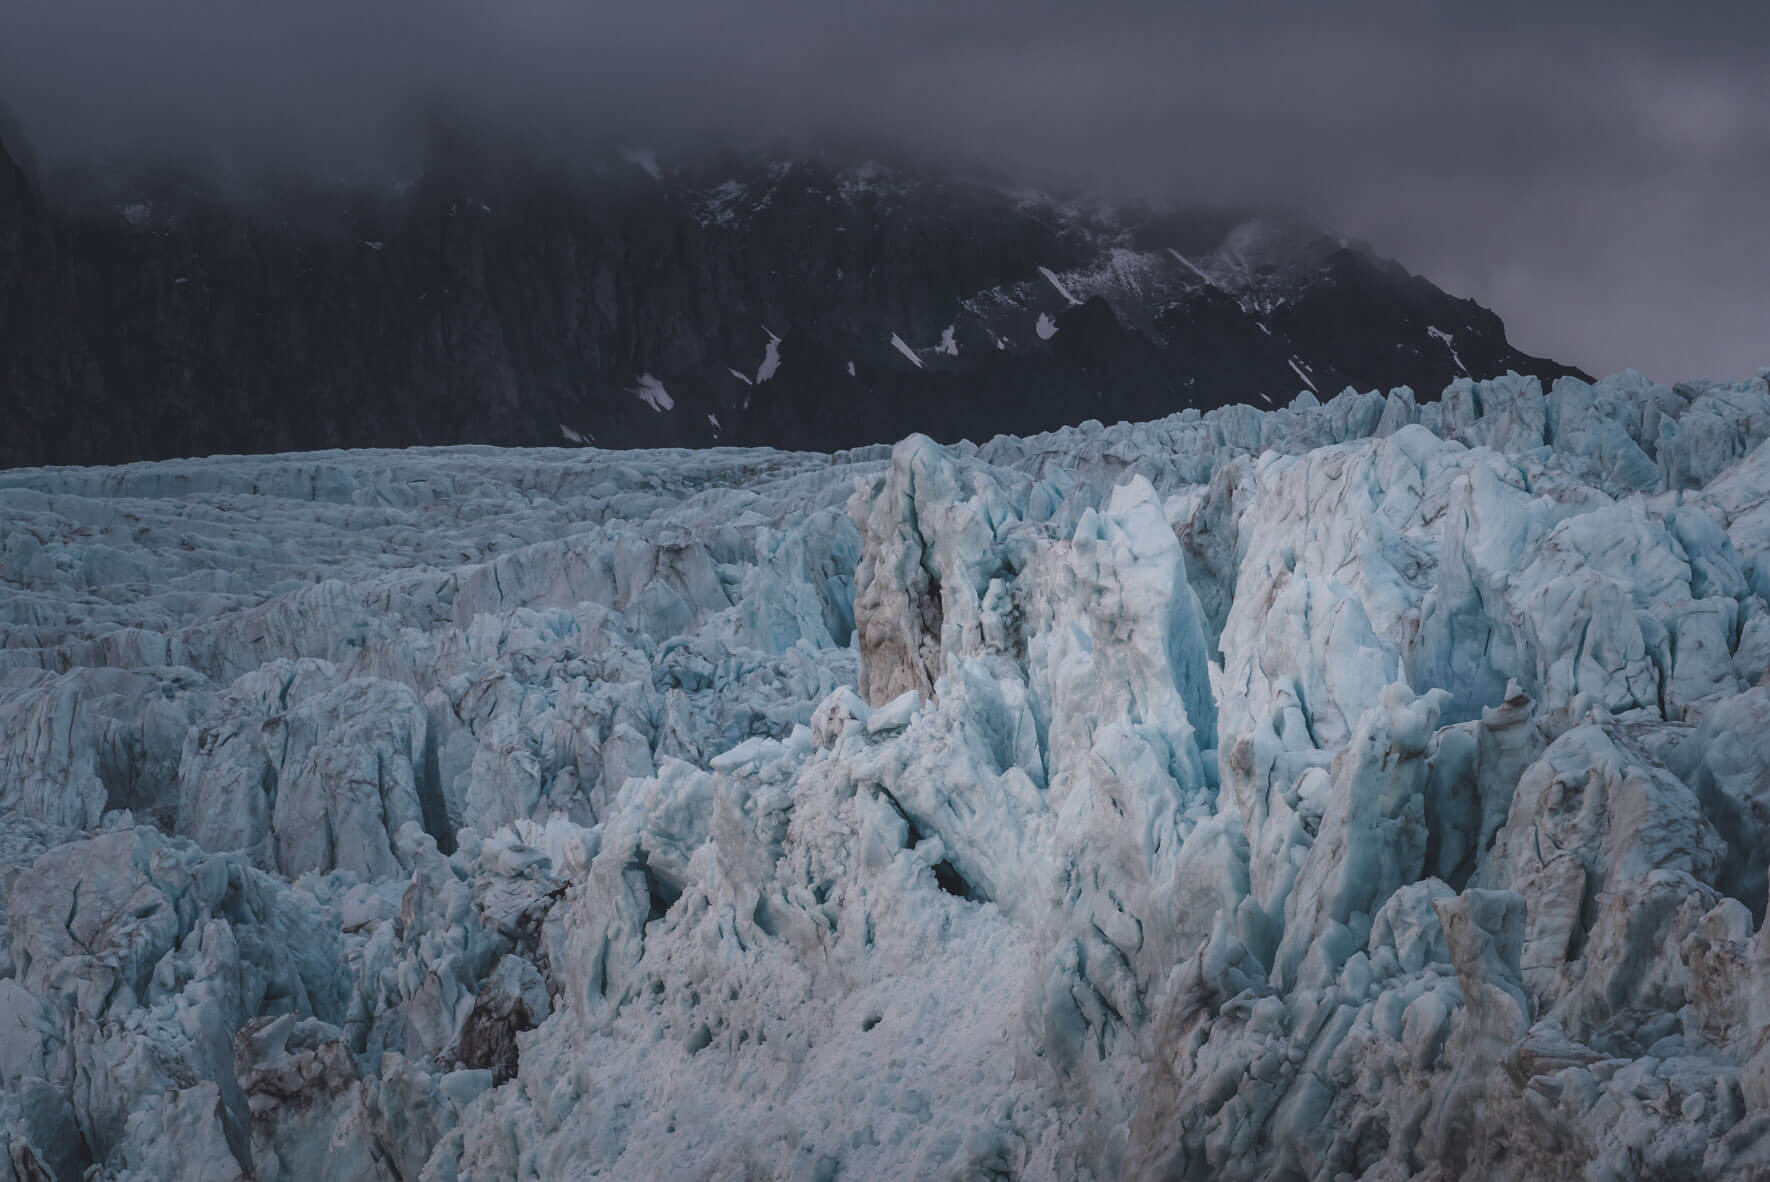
[1364, 789]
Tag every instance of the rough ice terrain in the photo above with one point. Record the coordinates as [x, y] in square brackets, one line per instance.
[1366, 789]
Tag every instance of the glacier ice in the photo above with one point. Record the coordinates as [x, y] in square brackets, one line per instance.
[1372, 788]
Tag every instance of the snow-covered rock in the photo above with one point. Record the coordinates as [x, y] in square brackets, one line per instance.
[1371, 788]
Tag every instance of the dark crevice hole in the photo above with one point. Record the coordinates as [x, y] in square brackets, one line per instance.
[948, 878]
[662, 895]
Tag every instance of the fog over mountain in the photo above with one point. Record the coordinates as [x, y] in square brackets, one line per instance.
[1592, 172]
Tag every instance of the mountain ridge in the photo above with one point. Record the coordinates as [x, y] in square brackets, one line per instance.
[715, 300]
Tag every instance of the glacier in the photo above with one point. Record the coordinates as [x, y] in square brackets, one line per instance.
[1375, 788]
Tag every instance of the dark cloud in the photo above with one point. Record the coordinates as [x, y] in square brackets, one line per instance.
[1595, 171]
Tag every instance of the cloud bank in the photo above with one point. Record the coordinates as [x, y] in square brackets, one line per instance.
[1596, 172]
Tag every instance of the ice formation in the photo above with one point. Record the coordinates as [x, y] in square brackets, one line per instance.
[1364, 789]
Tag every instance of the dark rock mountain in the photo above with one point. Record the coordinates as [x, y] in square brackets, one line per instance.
[722, 301]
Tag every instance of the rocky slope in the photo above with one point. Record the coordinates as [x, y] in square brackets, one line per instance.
[729, 300]
[1361, 790]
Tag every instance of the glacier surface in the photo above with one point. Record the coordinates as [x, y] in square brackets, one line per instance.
[1368, 789]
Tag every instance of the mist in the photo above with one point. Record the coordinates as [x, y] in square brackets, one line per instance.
[1595, 173]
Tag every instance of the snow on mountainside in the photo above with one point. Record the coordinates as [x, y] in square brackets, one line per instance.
[800, 303]
[1355, 790]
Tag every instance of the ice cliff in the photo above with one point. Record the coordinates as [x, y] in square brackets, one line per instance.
[1367, 789]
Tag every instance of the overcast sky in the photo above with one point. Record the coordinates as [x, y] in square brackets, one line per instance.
[1598, 173]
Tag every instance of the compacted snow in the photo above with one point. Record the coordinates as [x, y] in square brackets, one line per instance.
[1366, 789]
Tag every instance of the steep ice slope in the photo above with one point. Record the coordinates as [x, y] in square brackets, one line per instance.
[1365, 790]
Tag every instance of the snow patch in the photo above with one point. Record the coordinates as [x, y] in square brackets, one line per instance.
[1298, 370]
[1058, 284]
[771, 357]
[851, 369]
[1449, 343]
[1192, 266]
[1128, 267]
[570, 434]
[651, 392]
[949, 343]
[740, 375]
[897, 343]
[718, 206]
[1046, 327]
